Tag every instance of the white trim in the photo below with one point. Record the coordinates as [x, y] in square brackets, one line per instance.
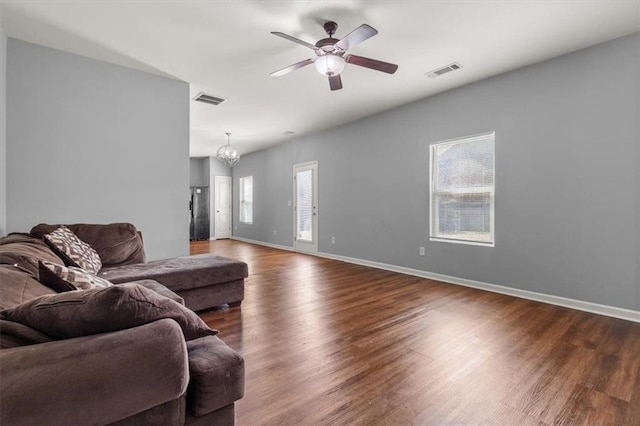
[470, 138]
[595, 308]
[458, 241]
[307, 164]
[261, 243]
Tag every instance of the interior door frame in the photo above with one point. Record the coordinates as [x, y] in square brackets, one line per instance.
[214, 210]
[305, 246]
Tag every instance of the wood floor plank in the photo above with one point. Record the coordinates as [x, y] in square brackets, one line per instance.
[332, 343]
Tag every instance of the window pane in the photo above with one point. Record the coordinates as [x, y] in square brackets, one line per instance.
[304, 196]
[464, 217]
[246, 199]
[464, 165]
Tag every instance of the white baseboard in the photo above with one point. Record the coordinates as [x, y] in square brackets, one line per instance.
[262, 243]
[596, 308]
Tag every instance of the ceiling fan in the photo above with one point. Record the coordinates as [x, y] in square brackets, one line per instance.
[331, 54]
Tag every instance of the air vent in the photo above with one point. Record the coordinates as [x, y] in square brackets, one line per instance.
[438, 72]
[209, 99]
[288, 132]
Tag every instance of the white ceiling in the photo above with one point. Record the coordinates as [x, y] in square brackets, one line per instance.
[225, 48]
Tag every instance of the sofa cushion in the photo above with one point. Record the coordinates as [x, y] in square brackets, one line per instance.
[14, 334]
[18, 286]
[82, 313]
[217, 375]
[181, 273]
[25, 250]
[67, 278]
[116, 243]
[73, 250]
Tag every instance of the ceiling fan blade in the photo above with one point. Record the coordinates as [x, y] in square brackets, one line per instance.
[335, 82]
[374, 64]
[356, 36]
[295, 40]
[293, 67]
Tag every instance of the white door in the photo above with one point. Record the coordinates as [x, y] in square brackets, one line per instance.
[305, 207]
[223, 207]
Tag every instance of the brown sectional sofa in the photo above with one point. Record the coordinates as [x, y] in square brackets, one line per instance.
[144, 375]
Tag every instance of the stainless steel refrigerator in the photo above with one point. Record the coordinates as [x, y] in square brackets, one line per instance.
[199, 209]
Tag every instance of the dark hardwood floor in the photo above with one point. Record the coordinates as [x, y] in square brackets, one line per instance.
[327, 342]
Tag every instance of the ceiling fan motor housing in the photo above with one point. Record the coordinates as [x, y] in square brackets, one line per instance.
[328, 45]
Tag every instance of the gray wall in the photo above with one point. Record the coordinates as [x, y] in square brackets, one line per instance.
[199, 171]
[3, 133]
[92, 142]
[216, 168]
[567, 155]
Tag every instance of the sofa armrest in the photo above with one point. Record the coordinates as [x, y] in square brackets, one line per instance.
[93, 379]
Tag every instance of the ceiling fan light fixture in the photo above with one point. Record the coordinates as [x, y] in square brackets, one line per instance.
[228, 154]
[330, 64]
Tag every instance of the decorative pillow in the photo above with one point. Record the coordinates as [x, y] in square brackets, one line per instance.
[63, 278]
[101, 310]
[73, 250]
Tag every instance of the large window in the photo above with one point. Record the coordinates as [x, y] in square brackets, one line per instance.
[462, 190]
[246, 199]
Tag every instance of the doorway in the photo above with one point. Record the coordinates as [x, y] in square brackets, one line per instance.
[305, 207]
[222, 207]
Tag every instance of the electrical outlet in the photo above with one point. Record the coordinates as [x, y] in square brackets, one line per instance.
[289, 203]
[421, 251]
[275, 232]
[333, 240]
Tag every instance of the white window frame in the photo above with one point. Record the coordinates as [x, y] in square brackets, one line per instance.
[243, 201]
[433, 208]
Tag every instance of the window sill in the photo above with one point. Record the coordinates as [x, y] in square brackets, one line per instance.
[465, 242]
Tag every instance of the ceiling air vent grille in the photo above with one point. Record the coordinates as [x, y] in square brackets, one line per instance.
[438, 72]
[209, 99]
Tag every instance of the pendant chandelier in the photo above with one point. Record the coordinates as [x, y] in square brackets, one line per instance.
[228, 154]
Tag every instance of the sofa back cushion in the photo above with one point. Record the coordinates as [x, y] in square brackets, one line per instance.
[25, 251]
[116, 243]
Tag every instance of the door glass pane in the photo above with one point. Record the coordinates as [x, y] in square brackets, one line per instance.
[304, 196]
